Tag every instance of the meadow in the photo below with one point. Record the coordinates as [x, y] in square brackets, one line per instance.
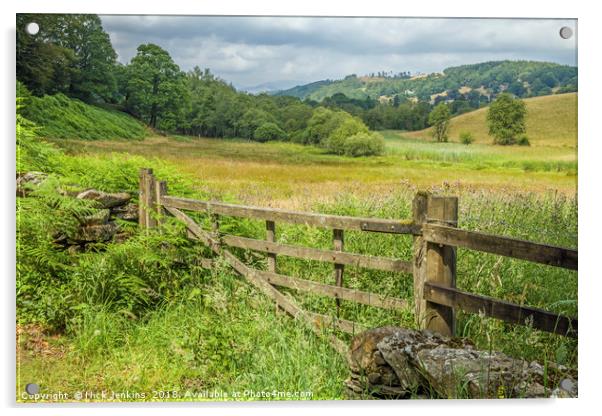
[202, 333]
[288, 175]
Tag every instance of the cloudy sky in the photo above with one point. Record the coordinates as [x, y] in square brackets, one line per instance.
[286, 51]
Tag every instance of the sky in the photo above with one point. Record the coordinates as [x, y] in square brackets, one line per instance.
[287, 51]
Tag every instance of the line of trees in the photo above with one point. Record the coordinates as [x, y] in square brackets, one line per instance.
[73, 55]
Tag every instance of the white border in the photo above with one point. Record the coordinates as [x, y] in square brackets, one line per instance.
[590, 144]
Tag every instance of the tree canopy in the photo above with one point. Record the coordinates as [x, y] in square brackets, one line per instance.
[506, 119]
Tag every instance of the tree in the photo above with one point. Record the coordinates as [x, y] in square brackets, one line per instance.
[506, 119]
[439, 119]
[155, 87]
[268, 131]
[71, 54]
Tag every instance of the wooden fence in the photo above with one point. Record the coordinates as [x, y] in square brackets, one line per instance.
[435, 238]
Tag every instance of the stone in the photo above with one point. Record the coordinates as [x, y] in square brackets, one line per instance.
[128, 212]
[96, 233]
[28, 180]
[393, 362]
[98, 218]
[104, 199]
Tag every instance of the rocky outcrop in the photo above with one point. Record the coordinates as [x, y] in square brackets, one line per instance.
[99, 227]
[105, 200]
[27, 181]
[397, 363]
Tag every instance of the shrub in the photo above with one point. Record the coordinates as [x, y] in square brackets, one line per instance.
[365, 144]
[523, 140]
[359, 144]
[268, 131]
[466, 137]
[348, 127]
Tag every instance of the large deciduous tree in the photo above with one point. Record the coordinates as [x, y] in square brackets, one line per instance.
[506, 119]
[155, 89]
[71, 54]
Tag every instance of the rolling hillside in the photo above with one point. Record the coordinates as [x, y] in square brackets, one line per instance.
[60, 117]
[551, 121]
[522, 78]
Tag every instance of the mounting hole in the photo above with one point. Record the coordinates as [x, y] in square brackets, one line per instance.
[32, 388]
[566, 32]
[32, 28]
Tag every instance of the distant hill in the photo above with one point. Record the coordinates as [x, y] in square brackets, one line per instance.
[551, 121]
[522, 78]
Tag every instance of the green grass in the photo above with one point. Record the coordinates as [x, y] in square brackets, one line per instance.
[551, 122]
[143, 316]
[61, 117]
[293, 176]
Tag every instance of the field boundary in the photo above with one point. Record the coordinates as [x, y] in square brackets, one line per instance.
[433, 265]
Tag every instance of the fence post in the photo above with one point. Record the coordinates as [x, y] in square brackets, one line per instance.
[160, 191]
[338, 243]
[270, 228]
[145, 195]
[440, 264]
[419, 205]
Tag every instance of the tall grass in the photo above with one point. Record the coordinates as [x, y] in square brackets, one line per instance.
[143, 315]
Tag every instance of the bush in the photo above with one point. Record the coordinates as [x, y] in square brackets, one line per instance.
[359, 144]
[365, 144]
[348, 127]
[523, 140]
[268, 131]
[466, 137]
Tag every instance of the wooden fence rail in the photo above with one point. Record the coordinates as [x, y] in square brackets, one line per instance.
[433, 264]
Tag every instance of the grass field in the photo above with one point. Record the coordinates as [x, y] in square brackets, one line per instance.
[294, 176]
[551, 122]
[210, 331]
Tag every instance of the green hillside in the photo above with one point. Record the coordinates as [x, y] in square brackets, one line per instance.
[522, 78]
[551, 121]
[61, 117]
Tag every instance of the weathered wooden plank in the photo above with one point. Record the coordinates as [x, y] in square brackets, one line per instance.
[336, 292]
[160, 191]
[277, 215]
[314, 320]
[149, 200]
[309, 253]
[339, 268]
[250, 274]
[270, 235]
[143, 197]
[193, 227]
[505, 311]
[419, 259]
[441, 265]
[505, 246]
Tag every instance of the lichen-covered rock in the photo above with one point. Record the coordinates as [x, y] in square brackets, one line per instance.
[395, 362]
[28, 180]
[95, 233]
[127, 212]
[104, 199]
[99, 217]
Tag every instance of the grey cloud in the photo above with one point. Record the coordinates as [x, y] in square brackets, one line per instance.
[254, 50]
